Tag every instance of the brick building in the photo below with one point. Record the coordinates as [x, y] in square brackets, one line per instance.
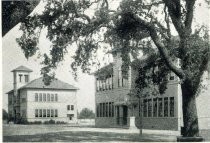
[34, 101]
[158, 112]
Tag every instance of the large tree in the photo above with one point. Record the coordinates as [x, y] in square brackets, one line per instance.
[68, 22]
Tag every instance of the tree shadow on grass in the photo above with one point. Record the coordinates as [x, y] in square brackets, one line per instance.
[87, 136]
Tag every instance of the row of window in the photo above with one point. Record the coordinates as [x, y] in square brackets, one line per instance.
[70, 107]
[46, 113]
[26, 78]
[105, 109]
[158, 107]
[105, 84]
[43, 97]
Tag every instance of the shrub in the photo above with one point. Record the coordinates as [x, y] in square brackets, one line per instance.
[60, 122]
[49, 122]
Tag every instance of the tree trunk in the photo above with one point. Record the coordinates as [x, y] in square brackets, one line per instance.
[190, 117]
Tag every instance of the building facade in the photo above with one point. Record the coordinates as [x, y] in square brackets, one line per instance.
[162, 112]
[34, 101]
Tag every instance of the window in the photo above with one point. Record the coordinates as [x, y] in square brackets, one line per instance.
[160, 107]
[110, 109]
[36, 97]
[26, 78]
[52, 113]
[40, 112]
[166, 107]
[154, 107]
[56, 97]
[72, 107]
[40, 97]
[101, 110]
[68, 107]
[44, 97]
[20, 77]
[171, 106]
[149, 107]
[44, 112]
[145, 107]
[48, 112]
[52, 97]
[56, 113]
[106, 109]
[36, 113]
[48, 97]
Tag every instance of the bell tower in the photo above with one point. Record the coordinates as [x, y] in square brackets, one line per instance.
[21, 76]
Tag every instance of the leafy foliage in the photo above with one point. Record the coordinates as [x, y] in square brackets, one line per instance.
[86, 114]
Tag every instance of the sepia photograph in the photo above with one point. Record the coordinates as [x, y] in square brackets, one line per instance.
[105, 70]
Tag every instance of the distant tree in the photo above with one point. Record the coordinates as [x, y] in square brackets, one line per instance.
[5, 114]
[14, 11]
[86, 114]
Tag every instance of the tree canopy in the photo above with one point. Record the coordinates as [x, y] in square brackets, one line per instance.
[86, 114]
[14, 12]
[68, 22]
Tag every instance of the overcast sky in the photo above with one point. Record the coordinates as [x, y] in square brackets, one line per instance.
[13, 57]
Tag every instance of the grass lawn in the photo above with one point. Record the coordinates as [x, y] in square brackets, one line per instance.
[65, 133]
[81, 136]
[57, 133]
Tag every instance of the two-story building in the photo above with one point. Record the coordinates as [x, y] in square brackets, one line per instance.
[34, 101]
[155, 111]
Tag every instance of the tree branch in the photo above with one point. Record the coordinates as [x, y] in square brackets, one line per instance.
[189, 15]
[163, 51]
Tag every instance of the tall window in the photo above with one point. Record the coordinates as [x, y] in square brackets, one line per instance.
[20, 77]
[56, 113]
[110, 109]
[166, 107]
[48, 112]
[106, 110]
[44, 112]
[36, 113]
[36, 97]
[40, 112]
[72, 107]
[68, 107]
[119, 77]
[44, 97]
[52, 113]
[149, 107]
[171, 106]
[26, 78]
[160, 107]
[40, 97]
[48, 97]
[56, 97]
[145, 107]
[52, 97]
[154, 107]
[101, 110]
